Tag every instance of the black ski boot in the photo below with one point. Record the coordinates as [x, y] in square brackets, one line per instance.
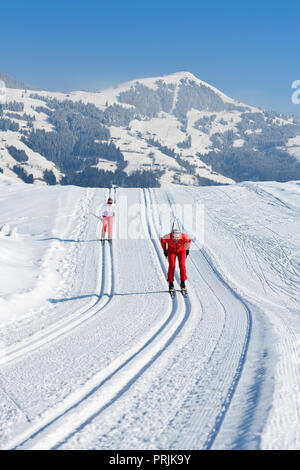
[171, 289]
[183, 289]
[171, 286]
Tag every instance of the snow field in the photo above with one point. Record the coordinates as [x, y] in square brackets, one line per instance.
[99, 356]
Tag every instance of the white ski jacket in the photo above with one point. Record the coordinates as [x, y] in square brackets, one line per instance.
[107, 210]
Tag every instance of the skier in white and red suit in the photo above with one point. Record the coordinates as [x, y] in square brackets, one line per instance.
[107, 213]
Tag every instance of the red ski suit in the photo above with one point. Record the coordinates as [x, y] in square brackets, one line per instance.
[176, 249]
[107, 220]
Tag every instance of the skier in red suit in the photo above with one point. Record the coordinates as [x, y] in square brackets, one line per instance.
[176, 244]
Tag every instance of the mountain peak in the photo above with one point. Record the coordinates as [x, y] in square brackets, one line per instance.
[172, 78]
[179, 80]
[180, 76]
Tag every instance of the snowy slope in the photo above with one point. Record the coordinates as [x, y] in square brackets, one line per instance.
[96, 355]
[36, 162]
[132, 140]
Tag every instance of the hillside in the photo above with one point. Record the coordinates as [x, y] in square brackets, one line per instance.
[172, 130]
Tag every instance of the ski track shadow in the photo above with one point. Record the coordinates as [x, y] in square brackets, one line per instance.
[68, 240]
[79, 297]
[141, 293]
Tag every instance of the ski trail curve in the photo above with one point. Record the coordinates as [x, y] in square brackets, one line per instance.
[205, 262]
[70, 416]
[104, 284]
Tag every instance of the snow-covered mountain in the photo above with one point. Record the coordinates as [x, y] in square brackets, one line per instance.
[94, 354]
[174, 129]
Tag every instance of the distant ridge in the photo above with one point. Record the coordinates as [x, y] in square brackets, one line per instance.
[158, 131]
[10, 82]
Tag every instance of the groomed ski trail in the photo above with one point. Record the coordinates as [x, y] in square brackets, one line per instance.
[174, 384]
[265, 408]
[203, 264]
[105, 288]
[104, 388]
[195, 378]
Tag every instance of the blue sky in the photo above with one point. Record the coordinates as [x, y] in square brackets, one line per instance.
[249, 50]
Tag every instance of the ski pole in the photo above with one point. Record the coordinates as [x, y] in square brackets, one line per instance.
[99, 218]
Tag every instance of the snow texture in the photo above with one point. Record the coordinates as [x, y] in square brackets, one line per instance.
[94, 354]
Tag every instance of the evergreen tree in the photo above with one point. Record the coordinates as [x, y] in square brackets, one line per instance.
[19, 170]
[49, 177]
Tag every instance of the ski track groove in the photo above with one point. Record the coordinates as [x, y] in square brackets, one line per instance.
[185, 308]
[64, 326]
[113, 371]
[174, 308]
[260, 191]
[232, 388]
[242, 360]
[269, 255]
[290, 344]
[37, 428]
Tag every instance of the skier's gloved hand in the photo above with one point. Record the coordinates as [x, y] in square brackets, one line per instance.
[187, 253]
[166, 253]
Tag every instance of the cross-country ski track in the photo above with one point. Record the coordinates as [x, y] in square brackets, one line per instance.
[132, 368]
